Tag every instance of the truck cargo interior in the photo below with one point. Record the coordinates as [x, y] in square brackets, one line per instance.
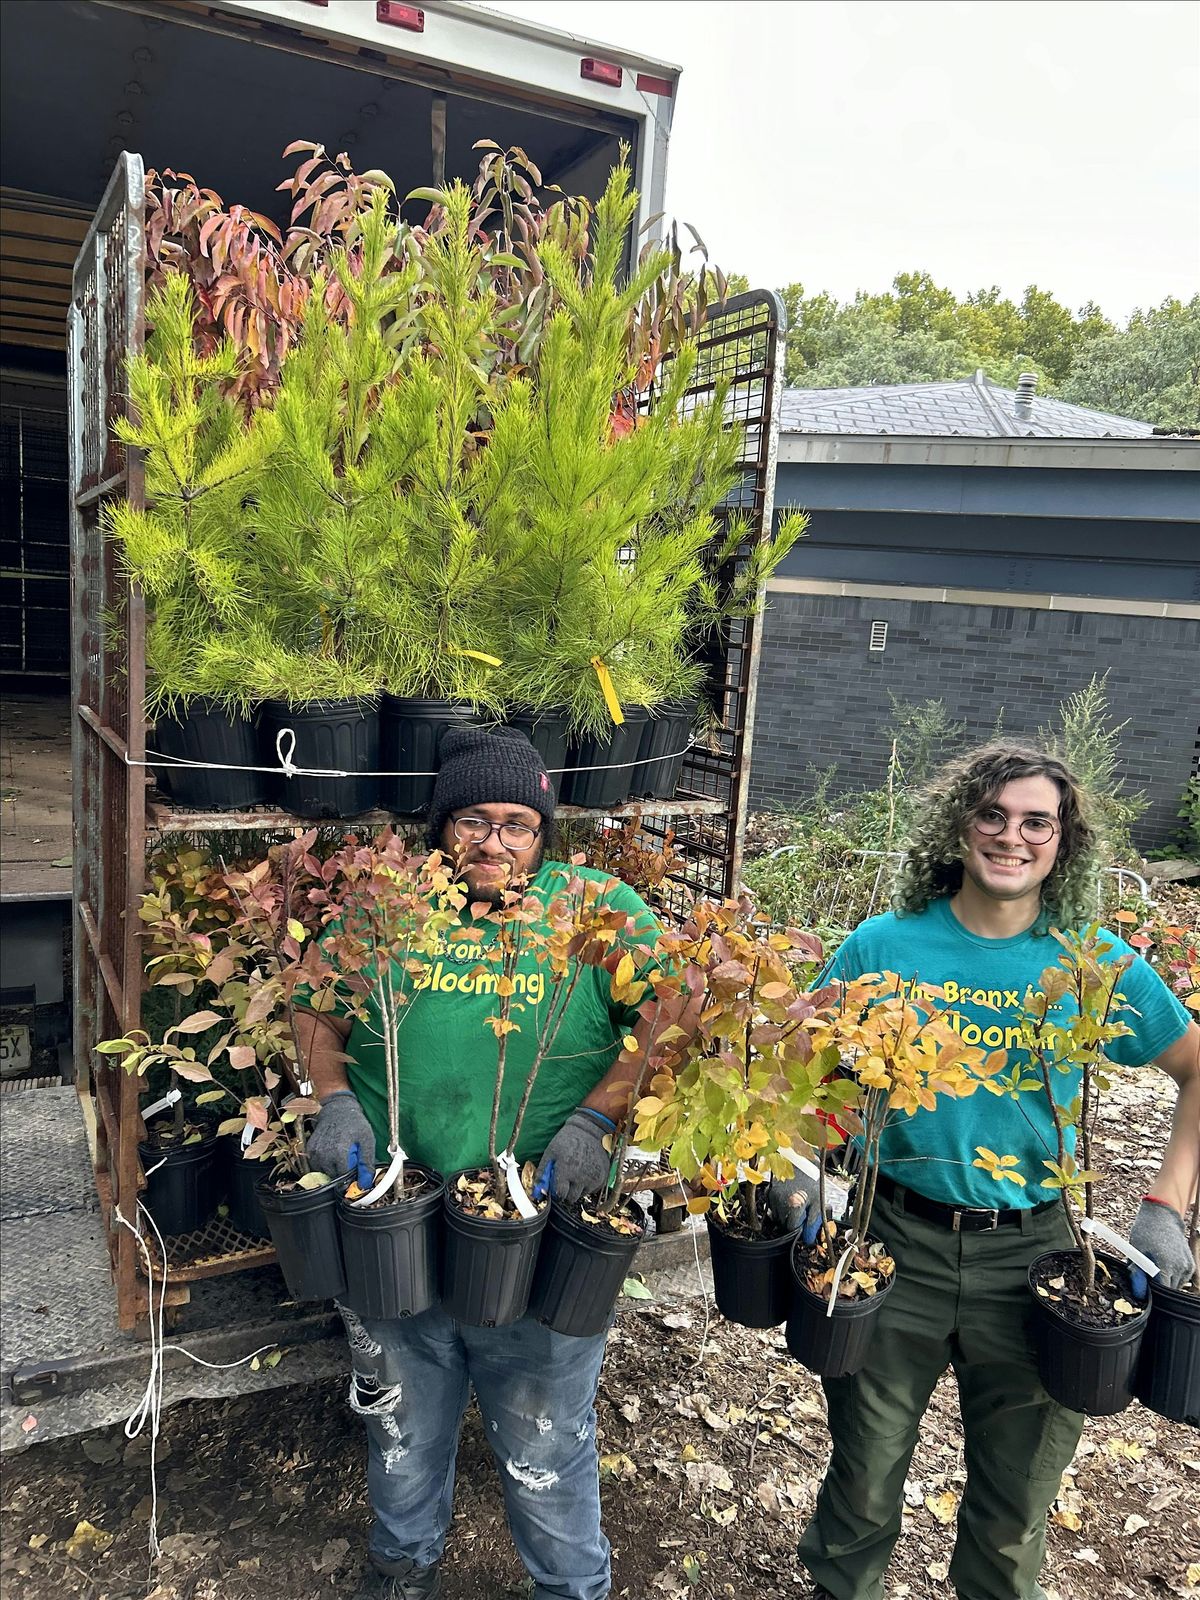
[218, 96]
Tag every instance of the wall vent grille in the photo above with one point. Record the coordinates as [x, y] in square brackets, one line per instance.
[878, 636]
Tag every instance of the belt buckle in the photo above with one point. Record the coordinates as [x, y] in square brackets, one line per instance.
[969, 1211]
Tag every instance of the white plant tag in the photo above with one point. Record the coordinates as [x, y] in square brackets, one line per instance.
[1149, 1267]
[516, 1192]
[168, 1100]
[384, 1183]
[247, 1136]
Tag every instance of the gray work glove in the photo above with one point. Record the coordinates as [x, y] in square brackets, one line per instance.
[1159, 1232]
[575, 1163]
[795, 1203]
[340, 1124]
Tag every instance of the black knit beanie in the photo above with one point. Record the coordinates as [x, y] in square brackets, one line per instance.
[488, 766]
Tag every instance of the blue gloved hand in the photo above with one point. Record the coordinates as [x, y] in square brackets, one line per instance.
[364, 1176]
[795, 1204]
[1160, 1232]
[575, 1163]
[340, 1124]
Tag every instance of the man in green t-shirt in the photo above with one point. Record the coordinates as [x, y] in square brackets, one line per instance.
[493, 810]
[1001, 853]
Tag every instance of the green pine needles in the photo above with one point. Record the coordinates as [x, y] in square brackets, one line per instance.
[416, 511]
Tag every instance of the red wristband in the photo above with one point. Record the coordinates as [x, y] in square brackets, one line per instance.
[1155, 1201]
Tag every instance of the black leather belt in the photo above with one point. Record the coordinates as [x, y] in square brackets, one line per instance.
[964, 1220]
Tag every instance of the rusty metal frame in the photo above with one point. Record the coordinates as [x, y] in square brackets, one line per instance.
[104, 325]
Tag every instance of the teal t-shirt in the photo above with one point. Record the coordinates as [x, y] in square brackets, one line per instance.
[985, 981]
[447, 1051]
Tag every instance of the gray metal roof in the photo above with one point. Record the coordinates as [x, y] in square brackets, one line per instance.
[974, 408]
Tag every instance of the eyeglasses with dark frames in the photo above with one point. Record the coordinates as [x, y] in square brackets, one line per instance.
[1034, 830]
[475, 830]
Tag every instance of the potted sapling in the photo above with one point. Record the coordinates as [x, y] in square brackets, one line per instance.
[242, 937]
[187, 551]
[588, 1248]
[1088, 1318]
[179, 1155]
[738, 1096]
[494, 1216]
[388, 910]
[1168, 1370]
[878, 1056]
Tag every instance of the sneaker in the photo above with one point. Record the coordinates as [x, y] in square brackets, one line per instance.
[415, 1583]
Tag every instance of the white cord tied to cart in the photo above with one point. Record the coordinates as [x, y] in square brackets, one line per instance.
[285, 749]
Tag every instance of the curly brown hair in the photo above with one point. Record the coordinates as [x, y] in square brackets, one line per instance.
[933, 867]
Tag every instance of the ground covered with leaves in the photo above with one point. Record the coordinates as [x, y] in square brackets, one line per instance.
[712, 1444]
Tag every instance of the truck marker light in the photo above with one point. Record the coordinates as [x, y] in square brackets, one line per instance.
[601, 72]
[649, 85]
[397, 16]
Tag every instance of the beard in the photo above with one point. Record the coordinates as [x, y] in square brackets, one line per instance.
[492, 891]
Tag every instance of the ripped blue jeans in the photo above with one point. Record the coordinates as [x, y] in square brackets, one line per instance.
[536, 1390]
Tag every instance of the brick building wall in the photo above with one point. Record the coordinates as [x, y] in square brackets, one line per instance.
[823, 695]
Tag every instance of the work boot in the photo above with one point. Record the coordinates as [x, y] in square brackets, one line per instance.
[406, 1581]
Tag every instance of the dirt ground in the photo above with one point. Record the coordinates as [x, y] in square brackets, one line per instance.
[712, 1451]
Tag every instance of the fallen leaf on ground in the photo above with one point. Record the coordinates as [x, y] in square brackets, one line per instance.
[332, 1556]
[86, 1540]
[1088, 1555]
[1135, 1524]
[938, 1570]
[943, 1506]
[618, 1465]
[29, 1425]
[635, 1289]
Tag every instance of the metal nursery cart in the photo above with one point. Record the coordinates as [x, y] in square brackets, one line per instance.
[117, 815]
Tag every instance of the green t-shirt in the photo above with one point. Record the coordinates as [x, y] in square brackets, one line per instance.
[448, 1052]
[985, 981]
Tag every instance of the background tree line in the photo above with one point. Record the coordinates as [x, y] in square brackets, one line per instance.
[919, 332]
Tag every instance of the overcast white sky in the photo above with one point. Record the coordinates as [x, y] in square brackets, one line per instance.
[837, 143]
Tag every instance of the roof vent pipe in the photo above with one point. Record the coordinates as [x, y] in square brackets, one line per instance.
[1026, 389]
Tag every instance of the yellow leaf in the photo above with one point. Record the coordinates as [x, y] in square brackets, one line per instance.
[699, 1204]
[1067, 1519]
[943, 1506]
[86, 1540]
[1125, 1450]
[296, 929]
[630, 1044]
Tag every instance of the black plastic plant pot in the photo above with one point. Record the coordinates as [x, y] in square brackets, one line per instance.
[201, 730]
[183, 1184]
[1084, 1368]
[304, 1231]
[665, 740]
[580, 1270]
[411, 732]
[547, 733]
[242, 1179]
[832, 1346]
[392, 1252]
[752, 1277]
[604, 770]
[1168, 1370]
[332, 735]
[488, 1267]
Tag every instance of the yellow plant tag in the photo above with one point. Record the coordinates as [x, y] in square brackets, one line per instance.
[477, 655]
[610, 694]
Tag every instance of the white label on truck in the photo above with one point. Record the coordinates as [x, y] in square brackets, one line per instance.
[16, 1054]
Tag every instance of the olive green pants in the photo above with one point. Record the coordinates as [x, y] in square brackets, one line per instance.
[960, 1300]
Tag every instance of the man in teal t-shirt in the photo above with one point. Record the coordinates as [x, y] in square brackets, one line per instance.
[1001, 853]
[492, 809]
